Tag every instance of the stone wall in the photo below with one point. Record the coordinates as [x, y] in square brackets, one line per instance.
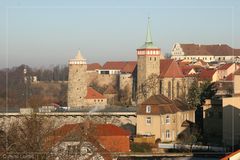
[6, 121]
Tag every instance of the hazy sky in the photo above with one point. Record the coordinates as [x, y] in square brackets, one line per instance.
[44, 32]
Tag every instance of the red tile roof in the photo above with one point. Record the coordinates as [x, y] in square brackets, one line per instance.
[160, 104]
[100, 129]
[74, 131]
[93, 94]
[186, 69]
[225, 66]
[93, 66]
[214, 50]
[129, 67]
[229, 77]
[123, 66]
[201, 61]
[170, 69]
[206, 74]
[110, 130]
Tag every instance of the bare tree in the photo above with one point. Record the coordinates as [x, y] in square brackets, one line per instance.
[149, 87]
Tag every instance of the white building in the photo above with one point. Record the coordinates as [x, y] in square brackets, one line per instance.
[208, 53]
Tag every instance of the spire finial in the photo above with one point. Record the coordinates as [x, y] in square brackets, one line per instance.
[149, 36]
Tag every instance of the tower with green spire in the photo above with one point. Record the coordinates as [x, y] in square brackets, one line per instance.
[148, 64]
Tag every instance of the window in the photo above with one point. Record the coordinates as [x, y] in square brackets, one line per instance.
[148, 120]
[178, 89]
[148, 109]
[150, 58]
[167, 119]
[155, 58]
[169, 89]
[167, 134]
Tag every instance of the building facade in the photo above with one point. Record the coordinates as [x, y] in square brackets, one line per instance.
[164, 118]
[208, 53]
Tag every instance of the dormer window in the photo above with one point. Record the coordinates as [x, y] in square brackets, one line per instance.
[148, 109]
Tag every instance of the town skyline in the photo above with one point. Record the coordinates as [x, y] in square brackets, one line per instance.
[36, 31]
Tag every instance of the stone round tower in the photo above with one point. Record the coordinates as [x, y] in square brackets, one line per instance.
[77, 81]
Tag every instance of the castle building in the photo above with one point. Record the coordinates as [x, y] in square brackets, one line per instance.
[208, 53]
[148, 62]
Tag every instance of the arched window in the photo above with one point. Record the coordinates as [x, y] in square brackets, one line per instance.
[160, 88]
[169, 89]
[167, 134]
[178, 90]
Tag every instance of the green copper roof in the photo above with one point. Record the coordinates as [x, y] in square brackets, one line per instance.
[148, 42]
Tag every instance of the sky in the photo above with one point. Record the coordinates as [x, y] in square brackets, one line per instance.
[46, 33]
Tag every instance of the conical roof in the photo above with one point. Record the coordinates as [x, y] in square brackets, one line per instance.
[148, 42]
[79, 56]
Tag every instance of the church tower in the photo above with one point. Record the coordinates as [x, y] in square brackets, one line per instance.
[148, 63]
[77, 81]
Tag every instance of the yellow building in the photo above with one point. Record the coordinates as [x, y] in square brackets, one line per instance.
[231, 115]
[164, 118]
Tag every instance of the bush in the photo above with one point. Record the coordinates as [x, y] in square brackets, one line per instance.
[140, 147]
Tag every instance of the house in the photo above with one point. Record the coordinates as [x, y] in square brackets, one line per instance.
[188, 70]
[226, 69]
[233, 156]
[94, 98]
[201, 63]
[231, 115]
[118, 67]
[208, 75]
[164, 118]
[76, 141]
[207, 53]
[107, 138]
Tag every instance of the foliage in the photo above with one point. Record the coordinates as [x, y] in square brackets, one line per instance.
[207, 90]
[193, 96]
[124, 96]
[140, 147]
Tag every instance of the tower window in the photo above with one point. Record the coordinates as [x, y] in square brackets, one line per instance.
[150, 58]
[155, 58]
